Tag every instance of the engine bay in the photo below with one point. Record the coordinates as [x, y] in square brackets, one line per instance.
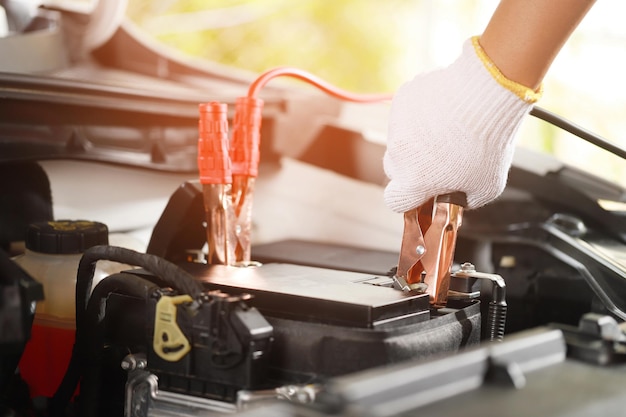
[321, 311]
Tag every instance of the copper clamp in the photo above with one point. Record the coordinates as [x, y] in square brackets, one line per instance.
[428, 243]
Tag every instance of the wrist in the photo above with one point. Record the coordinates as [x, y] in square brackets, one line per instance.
[525, 93]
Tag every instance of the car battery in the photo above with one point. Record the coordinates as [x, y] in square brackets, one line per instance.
[329, 322]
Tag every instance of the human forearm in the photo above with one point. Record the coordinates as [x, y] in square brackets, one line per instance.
[524, 36]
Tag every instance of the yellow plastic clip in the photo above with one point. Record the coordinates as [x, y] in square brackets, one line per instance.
[169, 342]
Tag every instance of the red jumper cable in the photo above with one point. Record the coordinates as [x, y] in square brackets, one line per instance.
[246, 141]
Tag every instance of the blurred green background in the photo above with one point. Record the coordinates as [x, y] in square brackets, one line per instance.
[359, 45]
[375, 45]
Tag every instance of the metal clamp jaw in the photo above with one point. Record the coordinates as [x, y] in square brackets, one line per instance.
[428, 244]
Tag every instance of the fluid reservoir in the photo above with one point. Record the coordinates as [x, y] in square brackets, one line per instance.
[53, 251]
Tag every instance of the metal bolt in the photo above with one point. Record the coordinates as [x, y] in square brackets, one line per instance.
[468, 267]
[420, 249]
[131, 362]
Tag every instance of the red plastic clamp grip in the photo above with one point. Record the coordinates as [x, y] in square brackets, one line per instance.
[245, 151]
[213, 158]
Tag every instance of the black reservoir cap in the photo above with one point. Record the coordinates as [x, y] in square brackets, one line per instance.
[65, 236]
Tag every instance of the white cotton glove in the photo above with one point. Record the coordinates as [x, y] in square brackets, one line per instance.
[453, 130]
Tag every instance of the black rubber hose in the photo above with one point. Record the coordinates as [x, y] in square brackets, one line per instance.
[164, 271]
[89, 402]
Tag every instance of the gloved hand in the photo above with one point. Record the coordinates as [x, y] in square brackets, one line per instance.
[453, 129]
